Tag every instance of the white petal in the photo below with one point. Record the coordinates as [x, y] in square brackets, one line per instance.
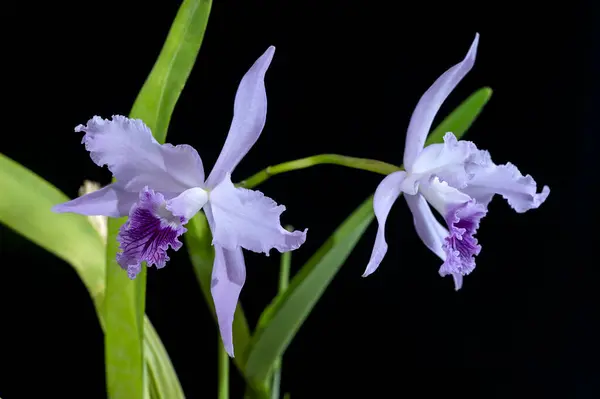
[386, 194]
[248, 219]
[188, 203]
[136, 159]
[228, 278]
[430, 231]
[441, 196]
[446, 160]
[430, 103]
[110, 201]
[249, 116]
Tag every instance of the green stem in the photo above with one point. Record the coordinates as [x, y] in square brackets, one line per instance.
[370, 165]
[284, 281]
[223, 372]
[284, 271]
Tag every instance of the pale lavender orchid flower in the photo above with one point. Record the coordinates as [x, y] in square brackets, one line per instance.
[161, 187]
[455, 178]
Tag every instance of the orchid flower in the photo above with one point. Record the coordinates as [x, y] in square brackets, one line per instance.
[455, 178]
[161, 187]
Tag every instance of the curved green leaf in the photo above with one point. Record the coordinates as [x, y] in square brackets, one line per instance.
[163, 383]
[157, 98]
[25, 206]
[125, 299]
[463, 116]
[289, 310]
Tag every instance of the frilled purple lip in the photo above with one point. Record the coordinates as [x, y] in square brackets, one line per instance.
[461, 246]
[148, 233]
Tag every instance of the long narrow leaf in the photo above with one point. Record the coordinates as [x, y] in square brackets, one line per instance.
[157, 99]
[125, 299]
[25, 206]
[25, 203]
[289, 310]
[164, 382]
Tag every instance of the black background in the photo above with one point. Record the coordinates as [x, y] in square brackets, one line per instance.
[345, 79]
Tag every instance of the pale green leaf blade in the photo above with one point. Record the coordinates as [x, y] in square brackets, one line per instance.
[157, 99]
[163, 383]
[124, 304]
[462, 117]
[288, 311]
[198, 241]
[25, 206]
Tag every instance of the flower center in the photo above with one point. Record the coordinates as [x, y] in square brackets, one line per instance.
[166, 216]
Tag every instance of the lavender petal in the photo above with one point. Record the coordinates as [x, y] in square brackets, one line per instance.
[136, 159]
[228, 278]
[430, 103]
[249, 116]
[488, 179]
[385, 196]
[110, 201]
[248, 219]
[430, 231]
[458, 281]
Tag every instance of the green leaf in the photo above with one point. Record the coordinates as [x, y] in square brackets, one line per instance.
[156, 101]
[125, 299]
[164, 383]
[25, 206]
[288, 311]
[284, 281]
[198, 241]
[124, 304]
[463, 116]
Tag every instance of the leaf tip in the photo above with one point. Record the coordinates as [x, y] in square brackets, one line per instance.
[487, 91]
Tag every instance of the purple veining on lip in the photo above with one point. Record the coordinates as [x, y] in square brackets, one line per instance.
[461, 246]
[148, 233]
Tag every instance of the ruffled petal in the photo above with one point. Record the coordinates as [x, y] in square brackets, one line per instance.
[137, 160]
[461, 246]
[430, 103]
[446, 161]
[148, 233]
[430, 231]
[112, 201]
[386, 194]
[249, 116]
[248, 219]
[228, 278]
[487, 179]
